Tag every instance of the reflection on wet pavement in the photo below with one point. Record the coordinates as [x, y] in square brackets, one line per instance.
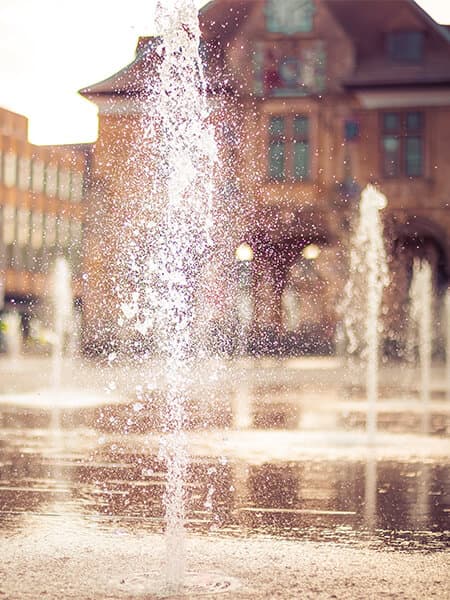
[405, 505]
[269, 461]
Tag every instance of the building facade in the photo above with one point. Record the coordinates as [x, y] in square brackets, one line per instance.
[317, 98]
[41, 210]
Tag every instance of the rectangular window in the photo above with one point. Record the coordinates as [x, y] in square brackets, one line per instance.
[50, 230]
[276, 160]
[413, 151]
[10, 169]
[289, 151]
[24, 173]
[37, 229]
[301, 148]
[402, 144]
[405, 46]
[64, 184]
[301, 156]
[76, 254]
[77, 187]
[76, 231]
[9, 234]
[23, 227]
[37, 175]
[23, 238]
[289, 17]
[37, 241]
[351, 130]
[51, 180]
[63, 225]
[9, 224]
[277, 148]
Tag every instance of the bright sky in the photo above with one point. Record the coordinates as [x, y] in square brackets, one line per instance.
[51, 48]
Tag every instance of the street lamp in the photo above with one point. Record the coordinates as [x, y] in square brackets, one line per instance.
[311, 252]
[244, 253]
[244, 303]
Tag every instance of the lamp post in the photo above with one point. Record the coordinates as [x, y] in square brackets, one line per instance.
[244, 258]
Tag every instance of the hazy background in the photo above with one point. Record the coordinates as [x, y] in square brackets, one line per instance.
[51, 48]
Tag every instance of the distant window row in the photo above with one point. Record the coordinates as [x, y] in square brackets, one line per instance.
[35, 175]
[402, 145]
[30, 236]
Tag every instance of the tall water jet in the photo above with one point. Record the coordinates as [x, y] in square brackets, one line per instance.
[363, 295]
[171, 241]
[421, 295]
[62, 314]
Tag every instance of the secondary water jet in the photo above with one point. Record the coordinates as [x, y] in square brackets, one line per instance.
[62, 312]
[363, 295]
[447, 344]
[421, 294]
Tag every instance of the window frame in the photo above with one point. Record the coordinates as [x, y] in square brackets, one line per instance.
[290, 138]
[276, 139]
[403, 133]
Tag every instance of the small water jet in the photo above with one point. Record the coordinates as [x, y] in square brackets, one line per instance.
[447, 344]
[421, 295]
[363, 295]
[63, 318]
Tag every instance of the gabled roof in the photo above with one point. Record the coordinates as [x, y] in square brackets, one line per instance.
[222, 18]
[364, 21]
[365, 17]
[367, 21]
[132, 80]
[219, 19]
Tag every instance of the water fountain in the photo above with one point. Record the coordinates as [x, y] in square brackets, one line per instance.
[63, 317]
[176, 244]
[421, 296]
[363, 295]
[251, 489]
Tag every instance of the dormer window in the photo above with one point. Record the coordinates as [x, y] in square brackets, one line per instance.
[289, 16]
[405, 46]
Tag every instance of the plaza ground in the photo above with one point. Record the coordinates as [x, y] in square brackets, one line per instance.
[285, 496]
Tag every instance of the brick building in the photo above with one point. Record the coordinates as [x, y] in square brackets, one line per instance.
[317, 99]
[41, 210]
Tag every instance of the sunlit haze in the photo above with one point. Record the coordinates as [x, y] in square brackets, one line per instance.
[51, 48]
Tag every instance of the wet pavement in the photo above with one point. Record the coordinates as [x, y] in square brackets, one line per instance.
[285, 497]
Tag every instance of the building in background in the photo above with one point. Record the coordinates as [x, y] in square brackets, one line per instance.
[317, 98]
[42, 212]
